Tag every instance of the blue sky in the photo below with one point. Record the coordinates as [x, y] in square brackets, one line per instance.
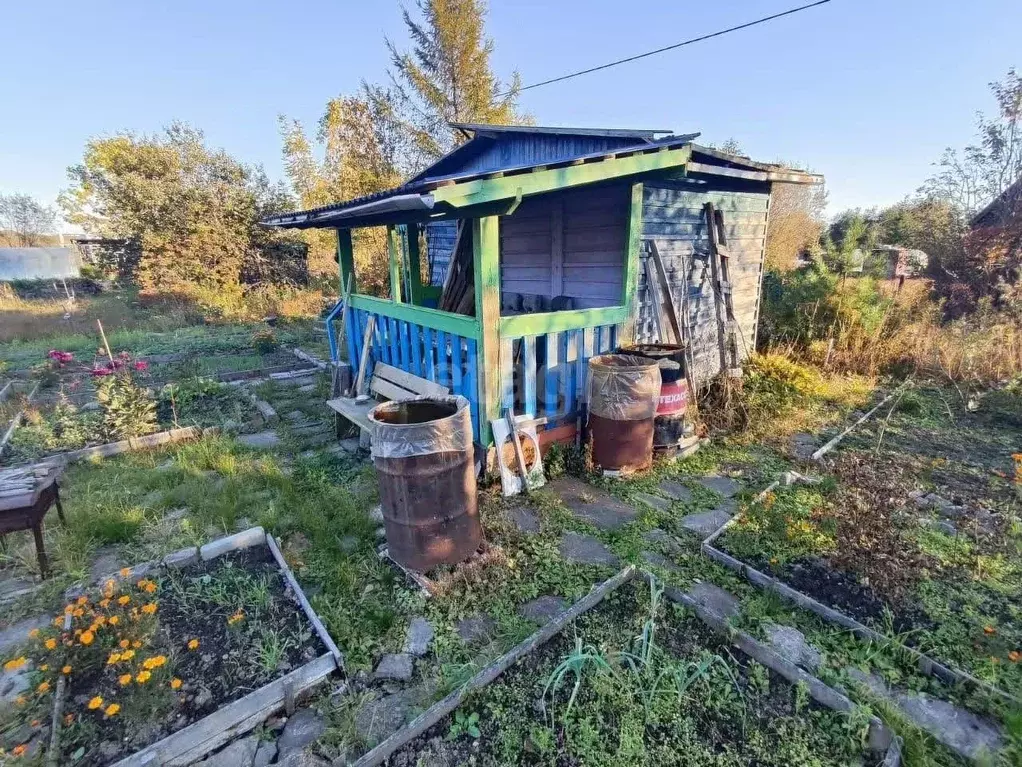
[867, 92]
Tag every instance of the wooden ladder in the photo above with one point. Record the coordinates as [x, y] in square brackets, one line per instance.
[720, 266]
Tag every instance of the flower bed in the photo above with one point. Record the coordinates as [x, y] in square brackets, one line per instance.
[148, 656]
[641, 681]
[915, 533]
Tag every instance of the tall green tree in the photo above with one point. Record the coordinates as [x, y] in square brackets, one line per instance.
[193, 210]
[355, 152]
[24, 221]
[447, 76]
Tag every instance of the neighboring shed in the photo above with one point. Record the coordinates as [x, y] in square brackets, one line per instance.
[38, 263]
[547, 231]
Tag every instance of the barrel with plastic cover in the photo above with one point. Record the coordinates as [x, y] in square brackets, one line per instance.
[422, 450]
[670, 426]
[624, 392]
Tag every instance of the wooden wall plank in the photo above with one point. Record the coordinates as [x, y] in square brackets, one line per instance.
[552, 383]
[529, 375]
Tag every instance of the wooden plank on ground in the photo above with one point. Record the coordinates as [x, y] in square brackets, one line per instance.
[406, 380]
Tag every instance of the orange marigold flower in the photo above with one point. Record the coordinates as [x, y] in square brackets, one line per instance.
[114, 658]
[150, 588]
[43, 687]
[136, 644]
[104, 602]
[95, 703]
[193, 644]
[20, 700]
[989, 630]
[33, 633]
[143, 676]
[78, 612]
[175, 683]
[124, 644]
[123, 600]
[125, 572]
[114, 620]
[19, 750]
[86, 638]
[112, 709]
[15, 663]
[127, 655]
[45, 667]
[1015, 656]
[65, 670]
[124, 679]
[82, 600]
[149, 609]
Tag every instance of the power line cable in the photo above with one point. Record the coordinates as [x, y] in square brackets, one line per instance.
[665, 48]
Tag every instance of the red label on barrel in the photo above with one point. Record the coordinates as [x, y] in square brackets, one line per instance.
[673, 398]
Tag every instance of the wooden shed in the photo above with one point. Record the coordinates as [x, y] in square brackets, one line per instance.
[527, 250]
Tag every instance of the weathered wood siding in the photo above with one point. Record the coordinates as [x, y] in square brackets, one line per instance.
[673, 218]
[440, 237]
[567, 244]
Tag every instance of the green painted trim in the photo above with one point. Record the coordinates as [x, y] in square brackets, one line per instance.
[633, 248]
[346, 259]
[414, 264]
[554, 322]
[487, 190]
[394, 250]
[431, 291]
[466, 327]
[486, 269]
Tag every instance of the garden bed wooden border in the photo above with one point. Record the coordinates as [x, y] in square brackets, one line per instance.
[925, 663]
[882, 739]
[169, 437]
[215, 730]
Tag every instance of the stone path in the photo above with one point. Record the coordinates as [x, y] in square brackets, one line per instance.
[586, 550]
[524, 519]
[262, 440]
[708, 522]
[476, 628]
[715, 599]
[544, 609]
[791, 644]
[675, 490]
[591, 504]
[724, 486]
[960, 730]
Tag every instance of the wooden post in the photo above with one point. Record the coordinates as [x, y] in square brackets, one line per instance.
[105, 344]
[394, 251]
[486, 268]
[414, 265]
[633, 248]
[346, 259]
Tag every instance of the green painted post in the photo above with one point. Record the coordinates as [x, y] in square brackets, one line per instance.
[486, 267]
[394, 251]
[414, 265]
[346, 259]
[626, 331]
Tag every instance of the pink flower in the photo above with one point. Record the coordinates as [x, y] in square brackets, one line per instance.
[100, 372]
[141, 366]
[124, 356]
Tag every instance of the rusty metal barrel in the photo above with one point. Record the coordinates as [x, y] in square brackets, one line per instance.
[670, 426]
[624, 391]
[422, 450]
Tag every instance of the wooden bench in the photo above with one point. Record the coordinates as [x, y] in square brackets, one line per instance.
[389, 383]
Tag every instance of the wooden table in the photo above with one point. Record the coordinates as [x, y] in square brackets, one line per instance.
[25, 497]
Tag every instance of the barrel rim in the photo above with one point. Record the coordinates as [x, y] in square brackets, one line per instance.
[638, 363]
[459, 402]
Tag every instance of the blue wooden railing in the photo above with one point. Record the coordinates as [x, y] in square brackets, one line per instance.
[442, 357]
[547, 373]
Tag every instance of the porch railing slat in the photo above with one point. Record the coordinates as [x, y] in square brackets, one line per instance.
[392, 335]
[443, 372]
[406, 352]
[529, 370]
[551, 385]
[507, 373]
[472, 385]
[588, 340]
[416, 348]
[427, 347]
[456, 371]
[569, 383]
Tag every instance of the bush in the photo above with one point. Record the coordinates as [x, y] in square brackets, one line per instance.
[265, 341]
[128, 409]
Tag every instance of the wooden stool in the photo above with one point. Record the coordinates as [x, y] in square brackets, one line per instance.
[23, 506]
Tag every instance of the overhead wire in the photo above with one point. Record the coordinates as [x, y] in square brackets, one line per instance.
[664, 49]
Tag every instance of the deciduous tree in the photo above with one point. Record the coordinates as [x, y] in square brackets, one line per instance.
[24, 221]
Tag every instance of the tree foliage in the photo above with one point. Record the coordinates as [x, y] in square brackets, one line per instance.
[447, 76]
[193, 210]
[795, 224]
[24, 221]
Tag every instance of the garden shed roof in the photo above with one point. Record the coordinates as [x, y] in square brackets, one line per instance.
[555, 158]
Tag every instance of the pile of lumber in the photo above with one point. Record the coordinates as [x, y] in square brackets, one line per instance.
[459, 295]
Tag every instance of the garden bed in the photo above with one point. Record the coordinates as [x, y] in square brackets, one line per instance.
[914, 533]
[641, 681]
[171, 660]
